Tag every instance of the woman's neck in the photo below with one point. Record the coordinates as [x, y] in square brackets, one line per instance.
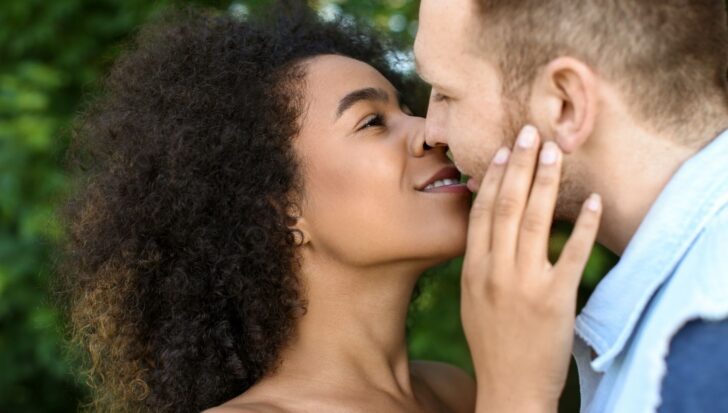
[353, 333]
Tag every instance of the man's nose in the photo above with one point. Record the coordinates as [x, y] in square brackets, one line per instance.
[435, 131]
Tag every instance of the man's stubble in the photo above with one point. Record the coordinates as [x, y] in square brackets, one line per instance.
[573, 187]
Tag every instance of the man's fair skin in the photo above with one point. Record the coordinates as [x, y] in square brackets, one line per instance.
[586, 115]
[606, 150]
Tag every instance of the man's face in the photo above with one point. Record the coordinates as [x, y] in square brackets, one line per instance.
[466, 110]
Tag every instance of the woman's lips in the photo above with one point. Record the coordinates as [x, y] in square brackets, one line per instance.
[448, 172]
[456, 189]
[446, 180]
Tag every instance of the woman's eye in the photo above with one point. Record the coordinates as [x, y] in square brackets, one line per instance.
[374, 120]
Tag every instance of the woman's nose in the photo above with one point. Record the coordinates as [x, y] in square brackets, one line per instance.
[416, 144]
[434, 125]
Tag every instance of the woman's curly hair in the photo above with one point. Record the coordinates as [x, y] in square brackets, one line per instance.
[179, 270]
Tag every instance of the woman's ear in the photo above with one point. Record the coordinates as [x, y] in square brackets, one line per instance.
[564, 102]
[298, 225]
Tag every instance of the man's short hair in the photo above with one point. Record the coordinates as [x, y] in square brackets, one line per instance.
[669, 57]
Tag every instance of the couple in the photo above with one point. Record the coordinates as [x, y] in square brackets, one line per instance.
[258, 202]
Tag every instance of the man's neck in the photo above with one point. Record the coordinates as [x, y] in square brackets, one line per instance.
[631, 168]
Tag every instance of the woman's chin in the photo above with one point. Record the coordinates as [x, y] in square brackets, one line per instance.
[444, 255]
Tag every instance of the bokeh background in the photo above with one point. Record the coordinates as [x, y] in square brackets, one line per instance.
[52, 54]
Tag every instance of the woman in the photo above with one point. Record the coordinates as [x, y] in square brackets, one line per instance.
[257, 206]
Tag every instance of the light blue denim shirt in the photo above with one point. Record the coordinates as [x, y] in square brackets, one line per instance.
[675, 269]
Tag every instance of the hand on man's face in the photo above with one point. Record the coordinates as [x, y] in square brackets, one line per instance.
[512, 296]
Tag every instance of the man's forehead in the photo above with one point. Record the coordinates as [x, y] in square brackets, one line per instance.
[442, 13]
[423, 65]
[439, 45]
[418, 55]
[444, 24]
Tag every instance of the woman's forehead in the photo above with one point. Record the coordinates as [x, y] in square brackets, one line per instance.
[331, 77]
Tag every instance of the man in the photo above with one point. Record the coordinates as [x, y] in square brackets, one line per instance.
[634, 94]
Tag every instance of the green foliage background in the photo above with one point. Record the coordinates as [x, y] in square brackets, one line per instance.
[52, 53]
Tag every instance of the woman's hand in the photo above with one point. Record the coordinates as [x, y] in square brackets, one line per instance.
[517, 308]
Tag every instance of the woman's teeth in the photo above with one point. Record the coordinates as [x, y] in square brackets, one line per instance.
[442, 182]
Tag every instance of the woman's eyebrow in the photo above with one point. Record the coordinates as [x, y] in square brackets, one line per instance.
[369, 93]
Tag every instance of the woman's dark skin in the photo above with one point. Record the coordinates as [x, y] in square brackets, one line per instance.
[236, 231]
[253, 222]
[362, 172]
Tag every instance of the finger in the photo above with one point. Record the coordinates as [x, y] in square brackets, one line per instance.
[481, 212]
[575, 254]
[536, 223]
[511, 199]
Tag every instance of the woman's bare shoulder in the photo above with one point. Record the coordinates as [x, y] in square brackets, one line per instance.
[246, 407]
[257, 399]
[453, 385]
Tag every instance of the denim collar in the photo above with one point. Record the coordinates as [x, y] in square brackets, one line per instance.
[692, 196]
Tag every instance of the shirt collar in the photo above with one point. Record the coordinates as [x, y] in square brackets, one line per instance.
[692, 196]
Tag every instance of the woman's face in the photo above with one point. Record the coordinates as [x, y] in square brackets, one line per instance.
[368, 198]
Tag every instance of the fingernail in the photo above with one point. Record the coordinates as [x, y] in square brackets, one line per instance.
[527, 137]
[594, 202]
[472, 185]
[549, 153]
[501, 157]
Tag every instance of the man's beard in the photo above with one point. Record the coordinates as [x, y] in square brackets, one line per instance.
[572, 187]
[572, 193]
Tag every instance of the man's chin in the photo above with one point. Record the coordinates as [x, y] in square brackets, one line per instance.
[474, 184]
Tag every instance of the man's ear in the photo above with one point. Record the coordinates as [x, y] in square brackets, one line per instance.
[564, 102]
[298, 225]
